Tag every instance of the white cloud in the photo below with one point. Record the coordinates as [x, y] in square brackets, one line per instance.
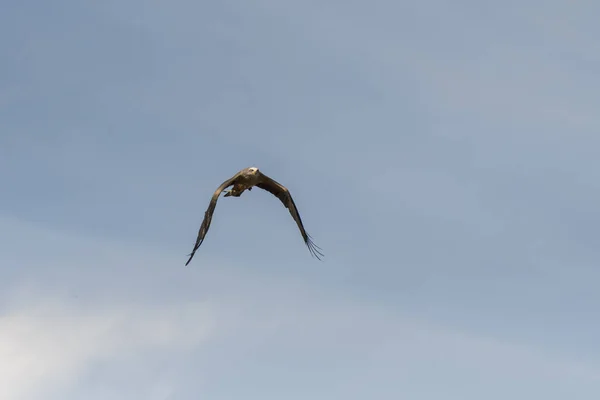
[45, 345]
[265, 331]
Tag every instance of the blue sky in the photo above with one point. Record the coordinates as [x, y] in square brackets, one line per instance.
[443, 155]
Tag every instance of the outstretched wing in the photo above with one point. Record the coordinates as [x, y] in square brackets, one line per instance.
[283, 194]
[208, 214]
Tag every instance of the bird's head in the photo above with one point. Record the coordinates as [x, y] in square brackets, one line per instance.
[253, 170]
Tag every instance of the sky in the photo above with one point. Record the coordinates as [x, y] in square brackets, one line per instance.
[442, 154]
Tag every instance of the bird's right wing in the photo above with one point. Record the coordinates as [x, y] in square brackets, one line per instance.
[283, 194]
[208, 214]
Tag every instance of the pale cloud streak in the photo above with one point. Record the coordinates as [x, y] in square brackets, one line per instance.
[48, 343]
[52, 337]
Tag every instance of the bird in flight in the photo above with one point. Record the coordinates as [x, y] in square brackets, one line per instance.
[245, 180]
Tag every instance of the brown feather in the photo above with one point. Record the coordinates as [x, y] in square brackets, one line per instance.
[209, 213]
[284, 195]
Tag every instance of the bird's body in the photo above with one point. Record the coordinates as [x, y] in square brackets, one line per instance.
[247, 178]
[244, 180]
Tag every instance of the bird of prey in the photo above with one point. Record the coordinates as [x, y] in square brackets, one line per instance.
[245, 180]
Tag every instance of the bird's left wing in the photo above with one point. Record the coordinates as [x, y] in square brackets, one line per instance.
[209, 213]
[283, 194]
